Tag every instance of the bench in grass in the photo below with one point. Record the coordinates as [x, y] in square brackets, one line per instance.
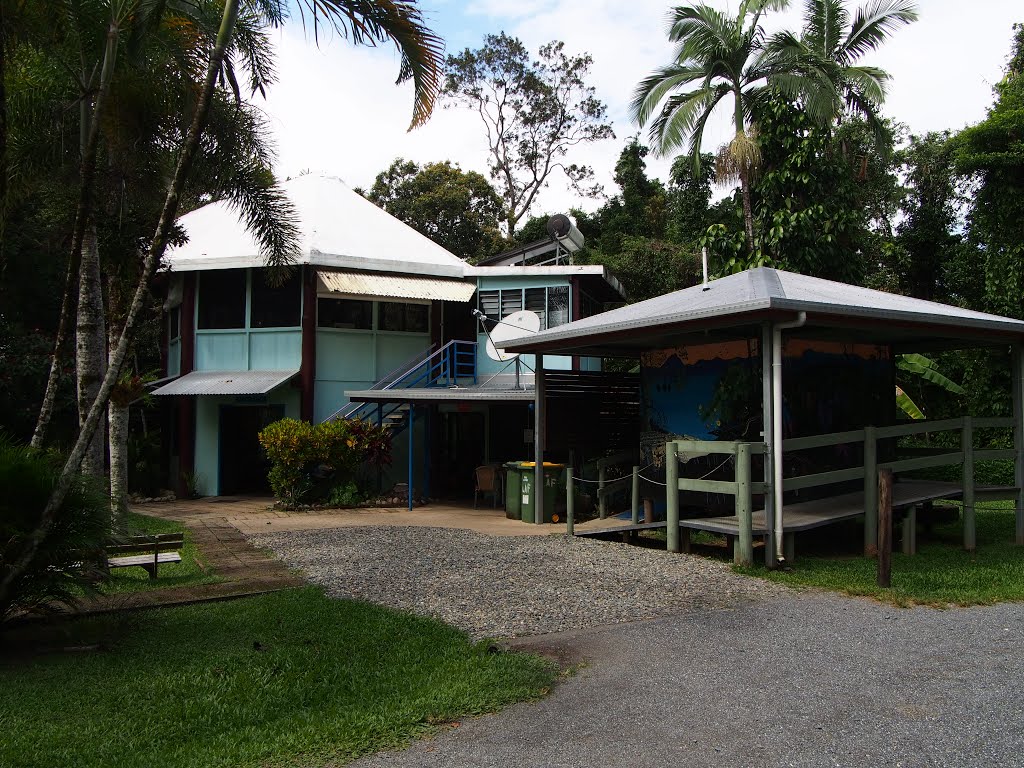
[146, 551]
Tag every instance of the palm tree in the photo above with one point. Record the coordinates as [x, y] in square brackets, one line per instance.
[361, 21]
[717, 57]
[828, 50]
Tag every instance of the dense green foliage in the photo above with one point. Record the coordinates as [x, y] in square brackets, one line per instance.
[69, 558]
[301, 452]
[459, 210]
[291, 678]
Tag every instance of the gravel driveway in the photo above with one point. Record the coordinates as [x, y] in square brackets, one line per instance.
[509, 586]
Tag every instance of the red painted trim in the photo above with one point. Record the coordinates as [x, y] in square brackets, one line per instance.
[307, 371]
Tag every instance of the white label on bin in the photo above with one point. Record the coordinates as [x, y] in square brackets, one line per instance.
[526, 498]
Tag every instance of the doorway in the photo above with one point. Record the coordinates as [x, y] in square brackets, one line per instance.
[462, 451]
[243, 464]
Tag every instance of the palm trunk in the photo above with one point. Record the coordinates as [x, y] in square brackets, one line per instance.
[117, 419]
[90, 347]
[117, 415]
[748, 211]
[90, 138]
[153, 256]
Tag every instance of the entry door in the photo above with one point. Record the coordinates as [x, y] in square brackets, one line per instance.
[243, 465]
[462, 452]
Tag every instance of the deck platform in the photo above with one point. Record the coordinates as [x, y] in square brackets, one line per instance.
[806, 515]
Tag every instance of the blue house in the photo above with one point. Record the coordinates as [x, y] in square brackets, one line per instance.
[376, 321]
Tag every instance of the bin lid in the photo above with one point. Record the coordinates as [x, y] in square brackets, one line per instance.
[546, 464]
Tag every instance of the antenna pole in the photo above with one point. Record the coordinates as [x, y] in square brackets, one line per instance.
[704, 264]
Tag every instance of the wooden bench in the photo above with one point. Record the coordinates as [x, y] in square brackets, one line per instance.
[146, 551]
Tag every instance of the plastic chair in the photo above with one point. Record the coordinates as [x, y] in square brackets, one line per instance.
[488, 480]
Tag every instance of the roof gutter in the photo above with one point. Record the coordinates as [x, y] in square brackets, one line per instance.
[777, 329]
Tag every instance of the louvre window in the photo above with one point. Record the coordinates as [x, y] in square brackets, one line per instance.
[536, 301]
[222, 299]
[511, 301]
[558, 306]
[490, 304]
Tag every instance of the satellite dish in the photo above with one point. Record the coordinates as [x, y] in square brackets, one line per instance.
[521, 323]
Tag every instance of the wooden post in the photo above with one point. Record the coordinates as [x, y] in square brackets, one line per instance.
[1018, 436]
[967, 446]
[635, 505]
[570, 503]
[910, 531]
[884, 528]
[870, 492]
[672, 497]
[412, 444]
[744, 549]
[602, 510]
[648, 510]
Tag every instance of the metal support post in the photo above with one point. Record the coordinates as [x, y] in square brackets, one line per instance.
[570, 503]
[766, 436]
[1018, 436]
[412, 446]
[538, 442]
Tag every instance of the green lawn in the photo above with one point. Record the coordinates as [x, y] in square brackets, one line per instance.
[941, 573]
[283, 679]
[185, 573]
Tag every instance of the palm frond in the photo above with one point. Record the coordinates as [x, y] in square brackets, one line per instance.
[873, 23]
[656, 86]
[907, 405]
[927, 369]
[680, 115]
[369, 22]
[824, 23]
[870, 82]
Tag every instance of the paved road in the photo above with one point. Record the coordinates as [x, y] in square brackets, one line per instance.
[804, 679]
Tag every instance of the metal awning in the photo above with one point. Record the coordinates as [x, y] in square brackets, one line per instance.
[226, 383]
[390, 286]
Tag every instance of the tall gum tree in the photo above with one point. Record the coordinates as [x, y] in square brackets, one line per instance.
[534, 113]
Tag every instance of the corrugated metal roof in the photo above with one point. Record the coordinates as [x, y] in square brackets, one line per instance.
[226, 383]
[737, 298]
[392, 286]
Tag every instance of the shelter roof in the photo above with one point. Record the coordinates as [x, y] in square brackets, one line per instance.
[736, 306]
[226, 383]
[338, 228]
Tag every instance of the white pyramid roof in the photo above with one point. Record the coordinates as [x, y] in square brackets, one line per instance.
[338, 228]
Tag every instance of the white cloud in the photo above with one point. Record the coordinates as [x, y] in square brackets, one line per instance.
[337, 109]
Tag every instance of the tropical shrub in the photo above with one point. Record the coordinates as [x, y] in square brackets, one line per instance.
[300, 452]
[69, 559]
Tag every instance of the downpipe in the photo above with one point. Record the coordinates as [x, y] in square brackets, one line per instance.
[777, 330]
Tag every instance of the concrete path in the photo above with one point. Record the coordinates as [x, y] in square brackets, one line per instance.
[804, 679]
[254, 515]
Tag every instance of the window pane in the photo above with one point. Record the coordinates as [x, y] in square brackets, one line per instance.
[276, 306]
[345, 313]
[511, 301]
[536, 301]
[490, 302]
[558, 306]
[222, 299]
[411, 318]
[175, 321]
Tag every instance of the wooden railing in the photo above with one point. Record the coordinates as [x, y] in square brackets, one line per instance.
[742, 487]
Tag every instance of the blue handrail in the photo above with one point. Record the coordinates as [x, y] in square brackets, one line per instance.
[452, 364]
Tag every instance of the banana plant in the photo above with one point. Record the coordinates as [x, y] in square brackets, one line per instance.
[927, 369]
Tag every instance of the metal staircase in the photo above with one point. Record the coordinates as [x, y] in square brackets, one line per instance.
[452, 365]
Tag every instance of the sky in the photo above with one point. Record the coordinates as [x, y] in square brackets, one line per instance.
[336, 109]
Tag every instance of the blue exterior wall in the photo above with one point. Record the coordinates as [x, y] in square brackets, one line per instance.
[350, 359]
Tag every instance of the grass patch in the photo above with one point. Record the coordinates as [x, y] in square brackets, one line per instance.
[282, 679]
[184, 574]
[940, 574]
